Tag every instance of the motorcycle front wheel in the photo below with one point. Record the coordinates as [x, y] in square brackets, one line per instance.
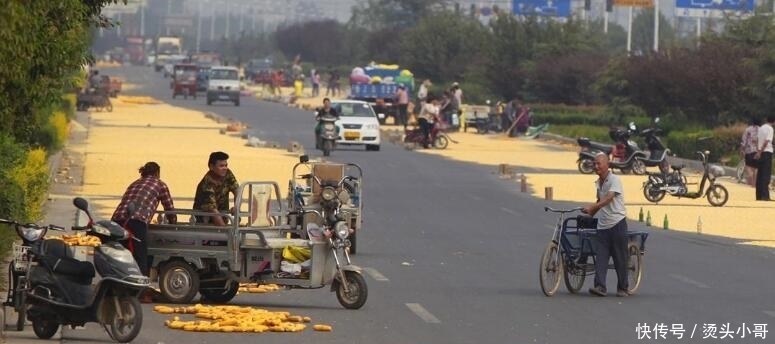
[652, 193]
[328, 146]
[586, 166]
[358, 292]
[717, 195]
[125, 323]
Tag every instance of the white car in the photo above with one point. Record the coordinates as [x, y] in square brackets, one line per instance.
[358, 124]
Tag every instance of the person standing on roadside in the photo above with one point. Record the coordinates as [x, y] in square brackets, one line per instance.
[764, 156]
[145, 194]
[611, 228]
[748, 149]
[402, 99]
[212, 192]
[422, 93]
[428, 114]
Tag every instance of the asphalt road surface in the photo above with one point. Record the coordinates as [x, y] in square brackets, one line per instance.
[451, 255]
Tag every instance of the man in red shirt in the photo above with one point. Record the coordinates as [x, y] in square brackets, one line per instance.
[146, 193]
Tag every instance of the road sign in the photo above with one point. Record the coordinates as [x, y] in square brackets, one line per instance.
[548, 8]
[635, 3]
[713, 8]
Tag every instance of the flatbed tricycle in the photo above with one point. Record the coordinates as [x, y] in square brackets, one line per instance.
[571, 254]
[256, 246]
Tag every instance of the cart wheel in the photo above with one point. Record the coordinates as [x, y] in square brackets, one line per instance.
[358, 291]
[717, 195]
[652, 194]
[634, 267]
[220, 295]
[574, 278]
[179, 282]
[110, 107]
[550, 270]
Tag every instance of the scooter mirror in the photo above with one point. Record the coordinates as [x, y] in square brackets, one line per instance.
[81, 204]
[632, 126]
[656, 120]
[380, 115]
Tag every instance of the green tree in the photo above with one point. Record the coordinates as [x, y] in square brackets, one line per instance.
[643, 32]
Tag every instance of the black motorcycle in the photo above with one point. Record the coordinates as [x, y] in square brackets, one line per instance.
[625, 155]
[60, 290]
[657, 151]
[326, 139]
[675, 184]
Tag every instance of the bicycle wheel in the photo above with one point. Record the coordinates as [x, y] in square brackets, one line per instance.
[574, 278]
[550, 270]
[634, 268]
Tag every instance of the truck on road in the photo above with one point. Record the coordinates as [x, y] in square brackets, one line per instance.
[166, 48]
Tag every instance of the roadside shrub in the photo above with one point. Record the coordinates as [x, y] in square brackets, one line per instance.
[31, 177]
[593, 132]
[68, 105]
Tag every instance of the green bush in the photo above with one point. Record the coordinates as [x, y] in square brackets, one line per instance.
[31, 176]
[593, 132]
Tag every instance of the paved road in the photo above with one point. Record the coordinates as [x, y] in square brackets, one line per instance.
[452, 256]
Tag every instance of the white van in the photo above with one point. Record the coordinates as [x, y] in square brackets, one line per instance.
[223, 85]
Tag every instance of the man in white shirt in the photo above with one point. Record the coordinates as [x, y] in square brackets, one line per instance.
[764, 156]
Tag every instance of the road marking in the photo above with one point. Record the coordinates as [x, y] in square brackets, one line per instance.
[512, 212]
[423, 313]
[770, 313]
[474, 197]
[375, 274]
[690, 281]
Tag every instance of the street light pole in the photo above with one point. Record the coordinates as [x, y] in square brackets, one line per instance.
[198, 27]
[228, 17]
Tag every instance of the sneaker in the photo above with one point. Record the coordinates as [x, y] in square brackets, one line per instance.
[622, 293]
[597, 291]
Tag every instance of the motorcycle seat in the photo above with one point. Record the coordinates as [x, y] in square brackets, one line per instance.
[677, 168]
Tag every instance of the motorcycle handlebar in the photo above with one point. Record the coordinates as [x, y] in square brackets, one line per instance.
[33, 225]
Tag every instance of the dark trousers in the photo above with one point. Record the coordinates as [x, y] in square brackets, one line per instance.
[612, 243]
[403, 116]
[425, 127]
[763, 176]
[140, 248]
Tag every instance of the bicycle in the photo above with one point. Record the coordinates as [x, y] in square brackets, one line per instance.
[571, 246]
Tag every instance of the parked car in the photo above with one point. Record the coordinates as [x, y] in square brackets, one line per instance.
[358, 124]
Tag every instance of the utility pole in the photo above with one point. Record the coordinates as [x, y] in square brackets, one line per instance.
[198, 27]
[142, 20]
[656, 25]
[228, 17]
[629, 31]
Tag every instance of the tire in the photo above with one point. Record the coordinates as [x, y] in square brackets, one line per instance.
[220, 295]
[440, 142]
[653, 196]
[574, 279]
[550, 270]
[717, 195]
[110, 107]
[174, 95]
[586, 166]
[638, 167]
[236, 102]
[328, 146]
[125, 324]
[634, 268]
[44, 328]
[178, 282]
[358, 294]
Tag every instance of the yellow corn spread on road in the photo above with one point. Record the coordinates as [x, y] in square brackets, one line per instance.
[234, 319]
[78, 239]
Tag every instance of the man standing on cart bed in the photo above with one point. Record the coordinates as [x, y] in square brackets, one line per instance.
[611, 229]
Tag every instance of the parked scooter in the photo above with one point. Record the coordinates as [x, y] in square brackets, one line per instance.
[675, 184]
[657, 151]
[625, 155]
[326, 139]
[60, 287]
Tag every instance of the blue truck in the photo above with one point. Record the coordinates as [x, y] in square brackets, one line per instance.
[380, 95]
